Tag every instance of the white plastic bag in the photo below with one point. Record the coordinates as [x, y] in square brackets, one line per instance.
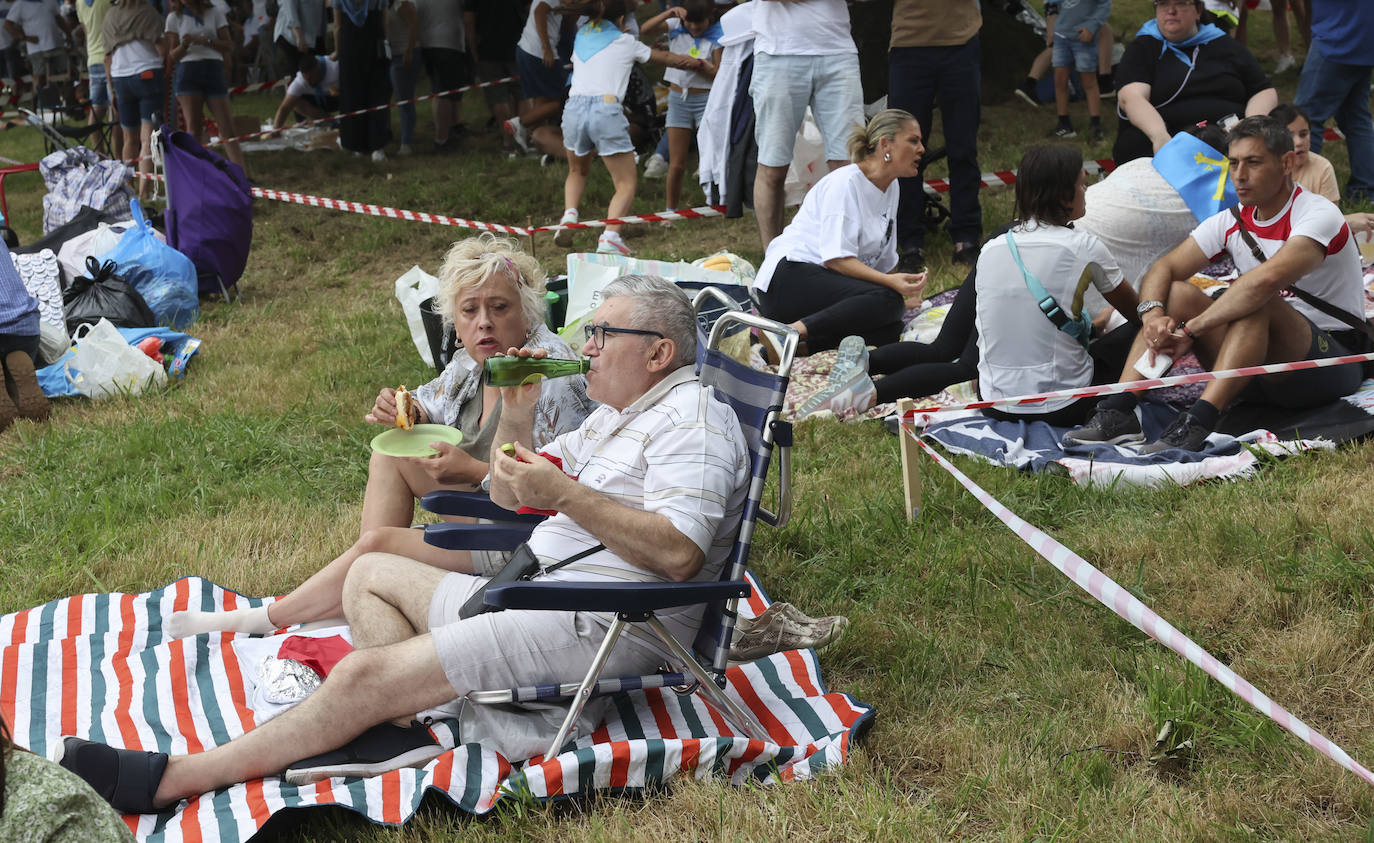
[808, 162]
[105, 365]
[413, 287]
[100, 240]
[590, 272]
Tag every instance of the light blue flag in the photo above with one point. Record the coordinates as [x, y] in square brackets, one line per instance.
[1199, 173]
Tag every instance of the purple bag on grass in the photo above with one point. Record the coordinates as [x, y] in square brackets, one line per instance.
[209, 213]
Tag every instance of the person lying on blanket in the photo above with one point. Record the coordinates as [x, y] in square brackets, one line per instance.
[493, 295]
[656, 478]
[1303, 244]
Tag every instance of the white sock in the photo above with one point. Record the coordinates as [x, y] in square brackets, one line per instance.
[250, 621]
[569, 215]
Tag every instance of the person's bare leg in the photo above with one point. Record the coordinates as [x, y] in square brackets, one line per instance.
[576, 183]
[1061, 91]
[624, 177]
[1276, 333]
[1283, 37]
[219, 107]
[1106, 39]
[679, 147]
[393, 485]
[1041, 64]
[387, 597]
[443, 119]
[539, 110]
[321, 596]
[369, 686]
[145, 156]
[1091, 91]
[193, 109]
[768, 201]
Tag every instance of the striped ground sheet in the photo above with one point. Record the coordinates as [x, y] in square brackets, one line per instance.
[99, 666]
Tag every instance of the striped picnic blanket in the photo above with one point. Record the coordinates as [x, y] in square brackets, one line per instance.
[99, 666]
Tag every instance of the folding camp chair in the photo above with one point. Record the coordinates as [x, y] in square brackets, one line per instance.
[756, 398]
[57, 134]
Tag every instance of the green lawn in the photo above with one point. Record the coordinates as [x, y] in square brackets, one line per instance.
[1009, 704]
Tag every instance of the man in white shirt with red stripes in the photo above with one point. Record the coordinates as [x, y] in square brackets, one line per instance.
[1305, 244]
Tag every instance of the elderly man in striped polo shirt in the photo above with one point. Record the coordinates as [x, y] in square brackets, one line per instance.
[652, 484]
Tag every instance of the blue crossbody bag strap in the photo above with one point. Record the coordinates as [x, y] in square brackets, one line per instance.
[1075, 326]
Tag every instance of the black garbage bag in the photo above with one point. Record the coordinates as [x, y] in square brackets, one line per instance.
[102, 293]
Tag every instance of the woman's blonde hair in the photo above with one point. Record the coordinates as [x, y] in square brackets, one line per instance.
[472, 261]
[863, 141]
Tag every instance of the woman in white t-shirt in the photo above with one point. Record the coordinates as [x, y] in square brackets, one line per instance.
[829, 274]
[1026, 342]
[198, 38]
[132, 32]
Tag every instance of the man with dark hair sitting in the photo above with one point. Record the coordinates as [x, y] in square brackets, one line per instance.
[1291, 247]
[649, 488]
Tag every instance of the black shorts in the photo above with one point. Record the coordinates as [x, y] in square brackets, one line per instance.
[1313, 387]
[447, 69]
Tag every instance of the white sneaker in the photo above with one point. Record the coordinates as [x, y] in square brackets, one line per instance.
[611, 244]
[1286, 62]
[657, 167]
[850, 390]
[518, 133]
[378, 156]
[405, 150]
[564, 236]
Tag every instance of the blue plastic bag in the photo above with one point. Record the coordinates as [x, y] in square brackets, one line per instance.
[163, 276]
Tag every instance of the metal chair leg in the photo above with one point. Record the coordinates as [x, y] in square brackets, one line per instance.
[584, 691]
[737, 714]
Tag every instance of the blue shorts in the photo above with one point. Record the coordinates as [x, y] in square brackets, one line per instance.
[591, 124]
[1070, 52]
[536, 80]
[204, 77]
[139, 99]
[782, 88]
[99, 85]
[685, 110]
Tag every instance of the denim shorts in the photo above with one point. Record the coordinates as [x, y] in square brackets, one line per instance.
[139, 99]
[204, 77]
[591, 124]
[100, 86]
[536, 80]
[782, 88]
[1070, 52]
[685, 110]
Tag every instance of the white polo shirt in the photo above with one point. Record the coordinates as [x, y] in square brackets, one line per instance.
[843, 216]
[1337, 281]
[529, 37]
[677, 452]
[329, 83]
[1020, 351]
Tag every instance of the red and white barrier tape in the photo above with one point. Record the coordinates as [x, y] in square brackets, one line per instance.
[255, 87]
[1137, 614]
[1137, 386]
[368, 110]
[680, 214]
[369, 210]
[1002, 178]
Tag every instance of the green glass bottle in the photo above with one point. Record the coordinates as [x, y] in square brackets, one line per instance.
[512, 370]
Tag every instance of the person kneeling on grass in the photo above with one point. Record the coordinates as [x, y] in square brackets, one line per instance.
[1286, 241]
[655, 489]
[1032, 333]
[312, 94]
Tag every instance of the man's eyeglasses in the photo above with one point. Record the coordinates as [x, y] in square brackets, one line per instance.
[599, 332]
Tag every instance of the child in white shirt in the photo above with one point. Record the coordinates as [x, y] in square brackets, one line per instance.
[593, 118]
[693, 35]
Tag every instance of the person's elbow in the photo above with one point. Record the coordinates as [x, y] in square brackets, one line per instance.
[683, 561]
[1262, 103]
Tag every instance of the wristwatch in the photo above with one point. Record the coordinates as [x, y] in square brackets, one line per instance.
[1146, 306]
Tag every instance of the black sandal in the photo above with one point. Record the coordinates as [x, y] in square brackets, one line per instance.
[126, 778]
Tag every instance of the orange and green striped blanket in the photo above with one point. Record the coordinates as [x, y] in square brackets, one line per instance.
[99, 666]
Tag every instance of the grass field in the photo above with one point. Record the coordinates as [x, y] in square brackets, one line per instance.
[1009, 704]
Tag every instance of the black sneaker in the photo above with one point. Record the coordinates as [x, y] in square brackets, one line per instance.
[1098, 134]
[1106, 427]
[966, 253]
[1062, 133]
[382, 748]
[1186, 433]
[1028, 95]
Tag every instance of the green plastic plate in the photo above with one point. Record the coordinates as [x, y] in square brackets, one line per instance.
[415, 442]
